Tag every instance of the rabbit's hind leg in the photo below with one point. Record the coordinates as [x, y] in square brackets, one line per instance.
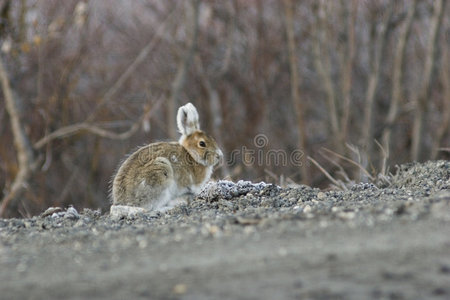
[157, 186]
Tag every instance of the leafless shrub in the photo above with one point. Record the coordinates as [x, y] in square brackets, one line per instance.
[94, 79]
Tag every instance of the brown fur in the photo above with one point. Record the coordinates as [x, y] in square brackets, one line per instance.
[159, 172]
[146, 165]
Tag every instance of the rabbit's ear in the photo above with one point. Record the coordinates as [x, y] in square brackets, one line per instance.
[187, 119]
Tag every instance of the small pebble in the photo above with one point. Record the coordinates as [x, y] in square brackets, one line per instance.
[307, 208]
[346, 215]
[180, 289]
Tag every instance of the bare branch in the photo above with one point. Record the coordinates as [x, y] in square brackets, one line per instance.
[444, 127]
[379, 42]
[132, 67]
[421, 97]
[229, 43]
[322, 64]
[295, 82]
[347, 71]
[180, 77]
[22, 143]
[91, 128]
[397, 78]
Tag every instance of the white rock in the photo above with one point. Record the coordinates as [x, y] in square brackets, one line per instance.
[227, 189]
[307, 208]
[72, 213]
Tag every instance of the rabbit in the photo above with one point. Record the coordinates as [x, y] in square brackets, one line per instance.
[160, 172]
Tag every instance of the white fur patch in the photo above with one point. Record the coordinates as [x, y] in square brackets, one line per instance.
[187, 119]
[166, 196]
[198, 187]
[119, 211]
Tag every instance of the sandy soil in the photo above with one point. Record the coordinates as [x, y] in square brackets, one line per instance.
[243, 241]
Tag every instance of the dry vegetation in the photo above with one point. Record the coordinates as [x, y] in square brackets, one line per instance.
[85, 82]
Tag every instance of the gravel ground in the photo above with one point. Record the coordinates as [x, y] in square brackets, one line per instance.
[245, 241]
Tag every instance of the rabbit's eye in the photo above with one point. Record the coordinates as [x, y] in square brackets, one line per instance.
[202, 144]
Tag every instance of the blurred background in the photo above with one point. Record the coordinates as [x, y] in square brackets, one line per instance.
[356, 86]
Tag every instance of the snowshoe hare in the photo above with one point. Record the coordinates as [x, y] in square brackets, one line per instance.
[157, 173]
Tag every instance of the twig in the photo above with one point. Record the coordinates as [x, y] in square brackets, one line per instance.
[341, 169]
[75, 128]
[385, 157]
[334, 181]
[350, 161]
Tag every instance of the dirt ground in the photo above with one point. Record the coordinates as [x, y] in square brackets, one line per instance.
[245, 241]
